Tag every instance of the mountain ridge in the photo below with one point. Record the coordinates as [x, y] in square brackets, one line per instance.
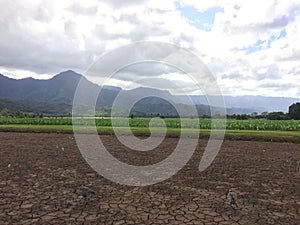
[61, 88]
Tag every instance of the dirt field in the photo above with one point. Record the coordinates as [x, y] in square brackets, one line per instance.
[44, 180]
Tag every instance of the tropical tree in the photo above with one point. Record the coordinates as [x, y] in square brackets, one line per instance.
[294, 111]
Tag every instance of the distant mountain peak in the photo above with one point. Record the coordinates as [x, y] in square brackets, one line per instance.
[150, 90]
[68, 73]
[71, 72]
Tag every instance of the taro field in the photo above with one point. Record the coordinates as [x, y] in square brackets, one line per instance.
[205, 124]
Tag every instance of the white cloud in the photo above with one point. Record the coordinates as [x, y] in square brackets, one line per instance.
[250, 43]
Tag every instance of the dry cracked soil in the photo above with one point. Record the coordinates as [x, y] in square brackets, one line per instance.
[45, 180]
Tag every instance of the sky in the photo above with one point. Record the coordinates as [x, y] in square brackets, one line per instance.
[251, 47]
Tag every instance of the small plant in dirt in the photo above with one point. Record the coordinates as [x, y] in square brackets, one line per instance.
[292, 165]
[298, 166]
[62, 148]
[287, 163]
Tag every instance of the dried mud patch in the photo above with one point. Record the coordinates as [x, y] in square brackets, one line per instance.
[44, 180]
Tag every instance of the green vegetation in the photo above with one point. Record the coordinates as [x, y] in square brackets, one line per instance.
[251, 129]
[205, 124]
[294, 111]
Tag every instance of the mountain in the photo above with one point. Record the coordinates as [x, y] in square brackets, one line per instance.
[247, 104]
[55, 96]
[33, 106]
[60, 88]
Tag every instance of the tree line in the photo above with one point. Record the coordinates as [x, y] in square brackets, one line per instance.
[293, 113]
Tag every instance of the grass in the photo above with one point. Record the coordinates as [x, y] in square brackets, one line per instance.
[230, 134]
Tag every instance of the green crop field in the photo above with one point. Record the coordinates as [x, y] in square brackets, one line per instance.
[205, 124]
[253, 129]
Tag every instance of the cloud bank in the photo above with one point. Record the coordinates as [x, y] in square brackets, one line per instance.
[252, 47]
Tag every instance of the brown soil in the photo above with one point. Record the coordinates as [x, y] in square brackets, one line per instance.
[42, 184]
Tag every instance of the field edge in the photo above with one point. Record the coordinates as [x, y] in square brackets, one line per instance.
[238, 135]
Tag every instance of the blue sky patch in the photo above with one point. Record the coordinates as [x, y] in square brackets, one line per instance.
[202, 20]
[259, 45]
[274, 38]
[254, 48]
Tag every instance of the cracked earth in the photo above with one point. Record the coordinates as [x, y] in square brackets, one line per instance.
[45, 180]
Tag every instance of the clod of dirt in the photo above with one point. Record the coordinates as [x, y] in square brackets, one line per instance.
[232, 198]
[84, 191]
